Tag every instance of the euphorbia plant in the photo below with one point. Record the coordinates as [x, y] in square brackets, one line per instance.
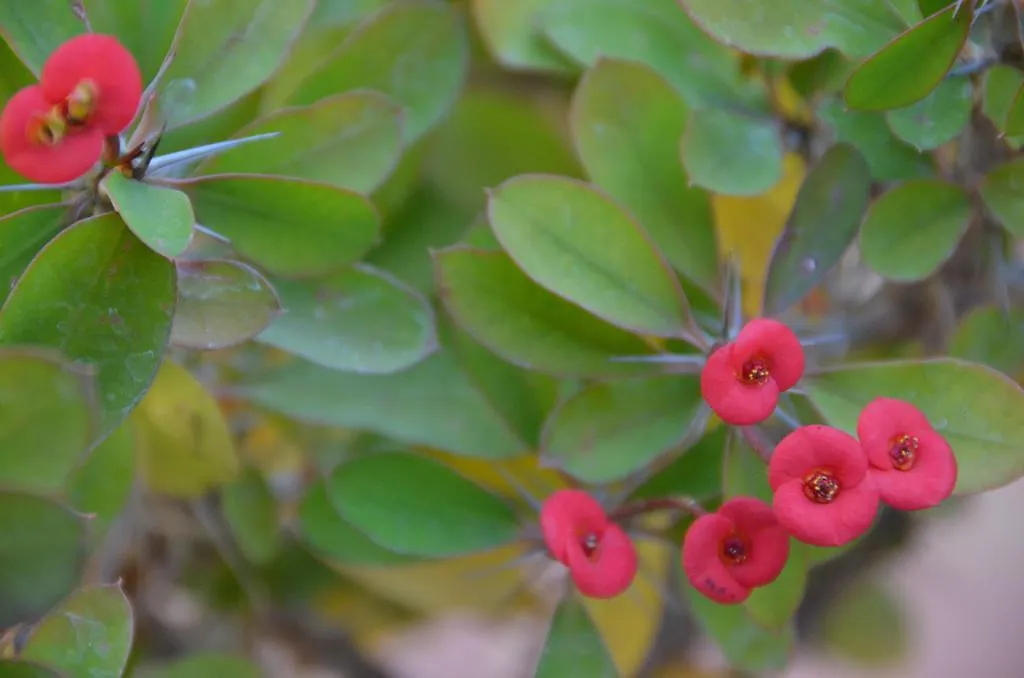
[691, 347]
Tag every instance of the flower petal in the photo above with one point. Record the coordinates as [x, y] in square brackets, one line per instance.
[768, 542]
[883, 419]
[565, 516]
[817, 447]
[105, 61]
[733, 401]
[702, 560]
[611, 569]
[65, 161]
[930, 482]
[839, 522]
[777, 345]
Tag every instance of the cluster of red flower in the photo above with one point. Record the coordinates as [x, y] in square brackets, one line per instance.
[53, 132]
[827, 484]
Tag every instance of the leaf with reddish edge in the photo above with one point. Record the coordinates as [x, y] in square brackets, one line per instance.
[221, 303]
[290, 227]
[822, 225]
[911, 66]
[103, 298]
[574, 240]
[976, 408]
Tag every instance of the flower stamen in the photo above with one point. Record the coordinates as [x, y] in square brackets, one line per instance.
[734, 550]
[81, 102]
[46, 129]
[590, 542]
[903, 452]
[755, 372]
[821, 487]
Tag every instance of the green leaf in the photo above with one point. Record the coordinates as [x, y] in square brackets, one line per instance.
[415, 52]
[360, 320]
[145, 27]
[912, 229]
[42, 554]
[991, 337]
[492, 136]
[35, 29]
[746, 645]
[225, 49]
[250, 510]
[22, 235]
[208, 665]
[89, 634]
[797, 29]
[509, 30]
[697, 473]
[824, 222]
[325, 532]
[291, 227]
[493, 300]
[37, 390]
[907, 69]
[575, 241]
[185, 447]
[744, 473]
[1001, 85]
[23, 669]
[774, 606]
[1014, 124]
[160, 217]
[937, 118]
[1002, 189]
[607, 431]
[101, 297]
[102, 484]
[410, 406]
[627, 122]
[574, 646]
[351, 140]
[732, 153]
[889, 158]
[417, 506]
[221, 304]
[652, 32]
[976, 408]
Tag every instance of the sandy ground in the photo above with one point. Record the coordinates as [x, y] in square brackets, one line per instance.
[962, 583]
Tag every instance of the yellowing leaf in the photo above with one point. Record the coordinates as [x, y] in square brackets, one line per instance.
[540, 482]
[630, 622]
[749, 226]
[184, 445]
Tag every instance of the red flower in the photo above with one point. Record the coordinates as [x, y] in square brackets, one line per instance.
[53, 132]
[741, 381]
[822, 493]
[910, 463]
[728, 553]
[601, 558]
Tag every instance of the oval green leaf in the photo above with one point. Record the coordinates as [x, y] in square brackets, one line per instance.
[101, 297]
[221, 304]
[351, 140]
[824, 222]
[991, 337]
[42, 553]
[160, 217]
[575, 241]
[732, 153]
[250, 510]
[937, 118]
[23, 669]
[291, 227]
[697, 473]
[574, 646]
[797, 29]
[23, 234]
[410, 406]
[496, 303]
[907, 69]
[1003, 192]
[417, 506]
[223, 51]
[975, 407]
[102, 485]
[773, 606]
[89, 634]
[415, 52]
[509, 30]
[626, 123]
[605, 432]
[35, 29]
[360, 320]
[38, 390]
[1014, 124]
[185, 447]
[911, 230]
